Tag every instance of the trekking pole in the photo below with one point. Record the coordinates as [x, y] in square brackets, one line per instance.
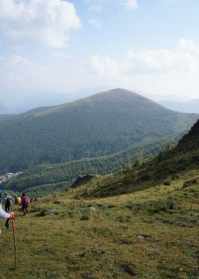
[14, 243]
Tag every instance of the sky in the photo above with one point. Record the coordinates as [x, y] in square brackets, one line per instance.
[53, 51]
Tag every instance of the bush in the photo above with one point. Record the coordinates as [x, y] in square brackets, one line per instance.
[84, 214]
[161, 206]
[167, 183]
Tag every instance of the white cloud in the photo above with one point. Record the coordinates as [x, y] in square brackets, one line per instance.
[23, 78]
[156, 71]
[97, 6]
[132, 4]
[106, 66]
[183, 58]
[49, 22]
[96, 23]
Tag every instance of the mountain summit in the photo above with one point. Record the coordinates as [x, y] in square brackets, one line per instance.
[102, 124]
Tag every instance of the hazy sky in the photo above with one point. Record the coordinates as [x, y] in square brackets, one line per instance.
[58, 50]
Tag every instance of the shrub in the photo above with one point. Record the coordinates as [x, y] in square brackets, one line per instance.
[161, 206]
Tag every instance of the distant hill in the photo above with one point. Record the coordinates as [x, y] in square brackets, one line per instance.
[191, 106]
[103, 124]
[3, 109]
[6, 117]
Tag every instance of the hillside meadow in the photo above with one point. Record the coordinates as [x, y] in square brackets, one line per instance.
[147, 234]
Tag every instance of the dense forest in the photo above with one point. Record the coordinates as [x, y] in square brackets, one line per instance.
[46, 178]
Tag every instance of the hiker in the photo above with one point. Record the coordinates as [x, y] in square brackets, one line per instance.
[8, 203]
[25, 202]
[6, 216]
[17, 200]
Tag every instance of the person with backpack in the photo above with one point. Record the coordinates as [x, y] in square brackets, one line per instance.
[25, 202]
[8, 203]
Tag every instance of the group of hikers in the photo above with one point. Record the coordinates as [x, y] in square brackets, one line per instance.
[6, 205]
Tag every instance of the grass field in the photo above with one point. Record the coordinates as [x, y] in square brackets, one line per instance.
[147, 234]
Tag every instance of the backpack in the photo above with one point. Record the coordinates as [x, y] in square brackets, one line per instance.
[25, 201]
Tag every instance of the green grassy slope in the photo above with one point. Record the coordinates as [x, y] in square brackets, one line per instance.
[101, 125]
[47, 178]
[147, 234]
[165, 168]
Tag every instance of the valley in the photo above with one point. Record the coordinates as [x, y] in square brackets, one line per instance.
[46, 178]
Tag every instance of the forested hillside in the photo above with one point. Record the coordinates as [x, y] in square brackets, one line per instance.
[46, 178]
[167, 167]
[100, 125]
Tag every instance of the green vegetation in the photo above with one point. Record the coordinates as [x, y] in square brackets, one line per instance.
[147, 234]
[97, 231]
[47, 178]
[165, 168]
[101, 125]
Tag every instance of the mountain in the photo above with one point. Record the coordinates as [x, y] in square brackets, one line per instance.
[150, 227]
[100, 125]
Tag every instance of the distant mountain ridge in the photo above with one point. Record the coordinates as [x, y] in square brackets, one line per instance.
[191, 106]
[6, 116]
[102, 124]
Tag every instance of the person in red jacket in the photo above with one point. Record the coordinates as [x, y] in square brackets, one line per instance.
[25, 202]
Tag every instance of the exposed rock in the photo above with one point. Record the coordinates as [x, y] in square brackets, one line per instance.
[87, 275]
[124, 242]
[128, 268]
[144, 237]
